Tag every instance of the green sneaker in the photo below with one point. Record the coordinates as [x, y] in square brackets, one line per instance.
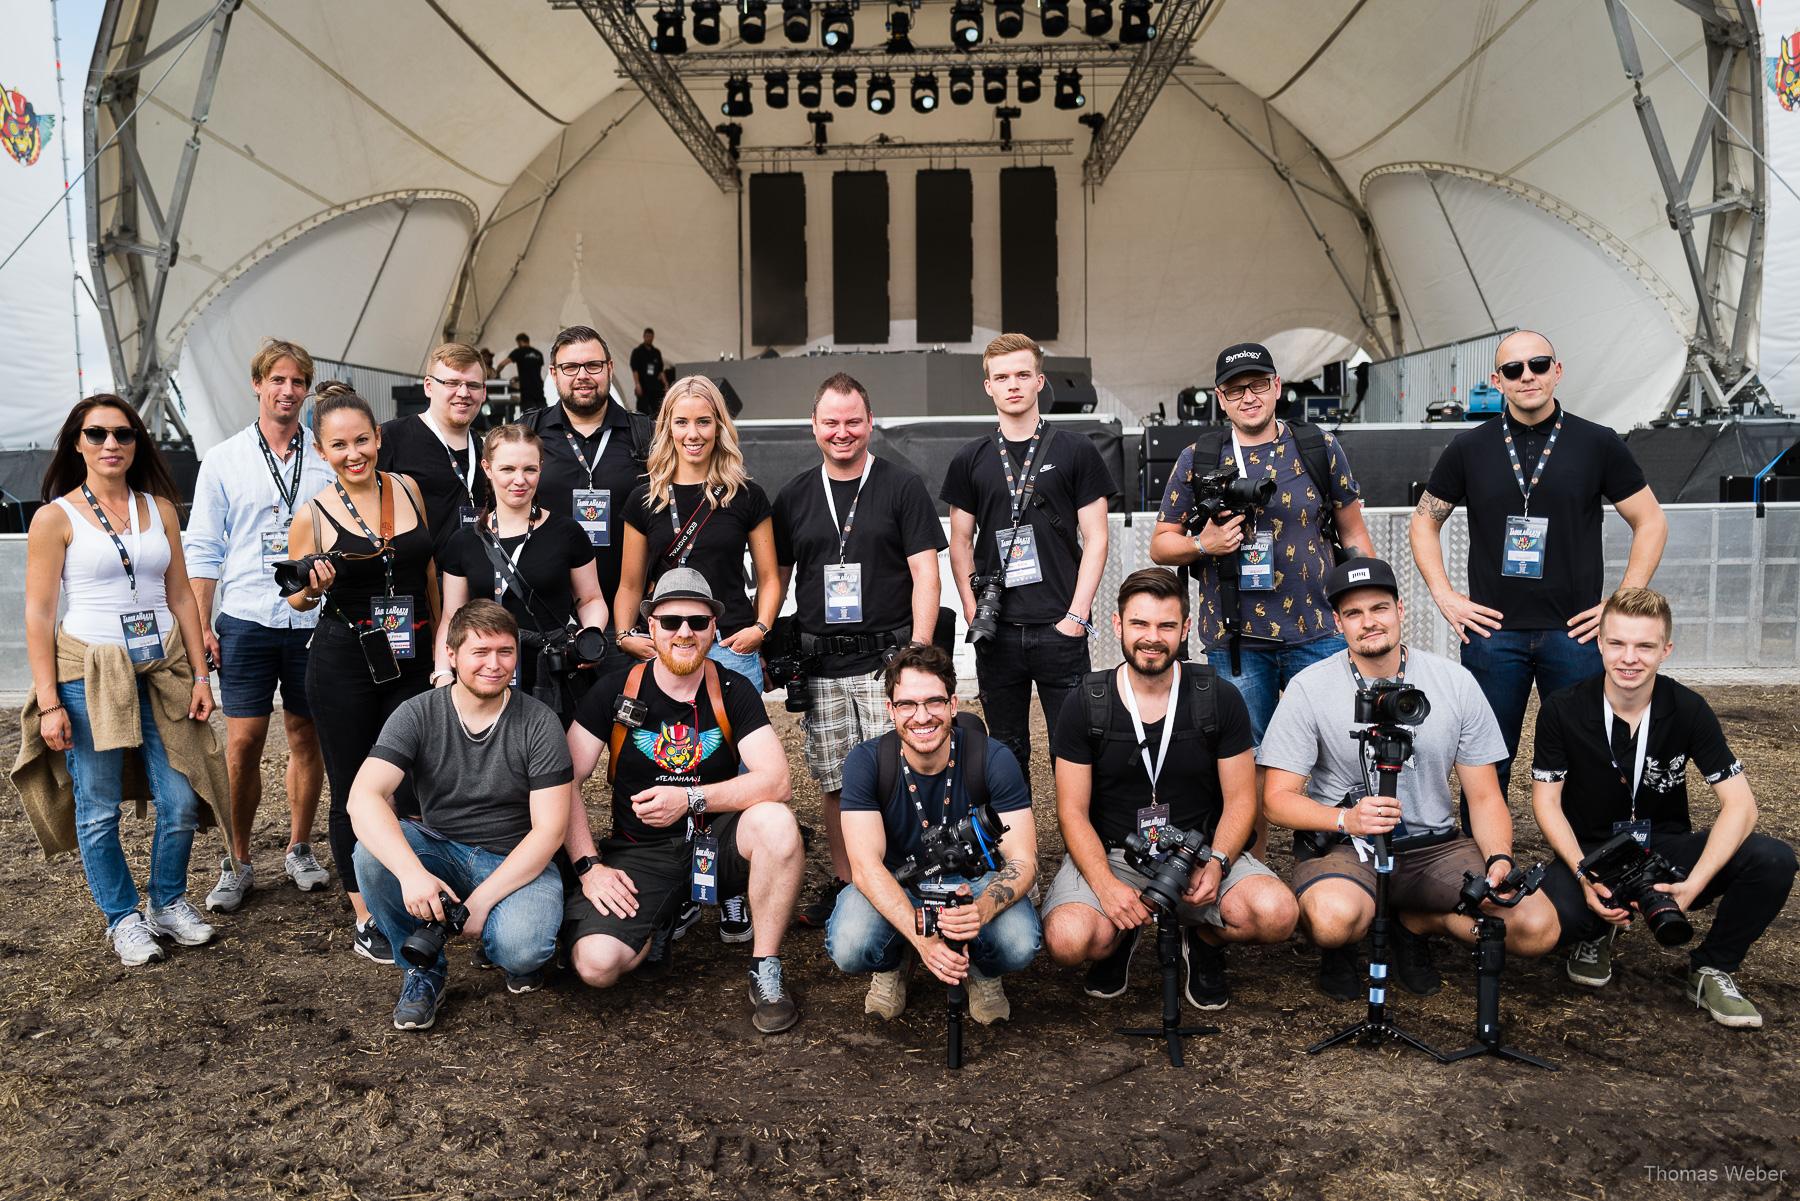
[1590, 963]
[1717, 993]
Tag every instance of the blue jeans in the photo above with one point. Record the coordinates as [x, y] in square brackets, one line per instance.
[98, 780]
[744, 665]
[860, 940]
[1267, 672]
[520, 934]
[1507, 661]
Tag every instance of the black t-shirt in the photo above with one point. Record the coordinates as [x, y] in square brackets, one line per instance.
[895, 520]
[647, 365]
[1072, 476]
[617, 472]
[530, 362]
[409, 447]
[1573, 746]
[716, 552]
[679, 742]
[862, 775]
[1189, 783]
[550, 552]
[1590, 464]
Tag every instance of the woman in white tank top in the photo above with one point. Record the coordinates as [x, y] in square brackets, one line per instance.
[109, 540]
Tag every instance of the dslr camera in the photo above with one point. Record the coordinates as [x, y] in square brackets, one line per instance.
[559, 652]
[423, 946]
[1169, 862]
[1391, 703]
[789, 671]
[1220, 494]
[293, 575]
[1631, 872]
[970, 847]
[988, 589]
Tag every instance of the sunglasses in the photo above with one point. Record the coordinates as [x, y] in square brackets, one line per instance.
[96, 435]
[697, 622]
[1539, 364]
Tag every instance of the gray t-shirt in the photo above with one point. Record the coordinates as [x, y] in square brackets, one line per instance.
[1310, 736]
[476, 793]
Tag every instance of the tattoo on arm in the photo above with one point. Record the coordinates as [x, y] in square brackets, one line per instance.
[1438, 510]
[1000, 888]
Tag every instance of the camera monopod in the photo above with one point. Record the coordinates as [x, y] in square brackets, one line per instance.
[956, 996]
[1168, 956]
[1490, 960]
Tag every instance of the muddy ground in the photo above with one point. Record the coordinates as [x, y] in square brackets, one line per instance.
[265, 1065]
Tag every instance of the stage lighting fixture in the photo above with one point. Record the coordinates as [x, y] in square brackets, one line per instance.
[881, 93]
[1068, 90]
[1031, 83]
[1009, 18]
[737, 97]
[962, 85]
[843, 87]
[819, 122]
[668, 38]
[1097, 18]
[836, 27]
[1055, 16]
[796, 20]
[993, 85]
[900, 31]
[1006, 116]
[965, 24]
[753, 20]
[733, 133]
[706, 22]
[924, 92]
[811, 89]
[1135, 26]
[775, 89]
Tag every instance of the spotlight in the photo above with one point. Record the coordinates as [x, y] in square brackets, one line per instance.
[900, 31]
[1098, 19]
[1135, 26]
[733, 133]
[1068, 90]
[819, 122]
[1031, 83]
[965, 24]
[881, 93]
[810, 89]
[668, 38]
[993, 85]
[836, 29]
[706, 22]
[962, 85]
[753, 20]
[737, 97]
[796, 20]
[1006, 116]
[1009, 18]
[843, 87]
[924, 92]
[1055, 15]
[775, 89]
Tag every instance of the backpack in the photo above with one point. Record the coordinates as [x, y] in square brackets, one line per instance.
[1310, 440]
[1098, 687]
[634, 682]
[640, 427]
[974, 762]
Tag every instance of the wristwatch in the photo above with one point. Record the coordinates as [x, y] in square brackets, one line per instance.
[585, 864]
[696, 798]
[759, 625]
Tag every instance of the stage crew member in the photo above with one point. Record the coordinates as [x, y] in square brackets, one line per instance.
[436, 448]
[647, 374]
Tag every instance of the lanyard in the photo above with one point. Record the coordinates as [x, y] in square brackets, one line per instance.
[599, 453]
[127, 559]
[384, 549]
[1242, 463]
[290, 492]
[831, 501]
[1362, 683]
[1537, 473]
[1152, 769]
[687, 535]
[506, 570]
[1020, 490]
[456, 468]
[1643, 747]
[912, 785]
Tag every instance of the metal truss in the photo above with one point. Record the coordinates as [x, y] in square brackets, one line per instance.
[1029, 148]
[1177, 24]
[1088, 54]
[133, 235]
[1727, 274]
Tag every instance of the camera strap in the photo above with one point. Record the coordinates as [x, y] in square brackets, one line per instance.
[1242, 462]
[1399, 678]
[686, 535]
[382, 544]
[1543, 460]
[1153, 769]
[1019, 489]
[1636, 777]
[506, 570]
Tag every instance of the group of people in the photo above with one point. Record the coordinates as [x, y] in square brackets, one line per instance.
[464, 629]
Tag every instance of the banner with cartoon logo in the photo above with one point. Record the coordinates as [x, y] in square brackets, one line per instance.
[1779, 361]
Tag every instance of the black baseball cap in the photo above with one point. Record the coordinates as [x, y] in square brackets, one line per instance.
[1243, 358]
[1360, 572]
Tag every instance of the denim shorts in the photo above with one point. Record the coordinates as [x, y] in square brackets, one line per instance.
[256, 659]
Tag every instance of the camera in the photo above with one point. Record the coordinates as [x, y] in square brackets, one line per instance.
[423, 946]
[1220, 495]
[1169, 862]
[1390, 703]
[970, 847]
[1631, 872]
[563, 649]
[789, 672]
[988, 589]
[293, 575]
[630, 712]
[1521, 882]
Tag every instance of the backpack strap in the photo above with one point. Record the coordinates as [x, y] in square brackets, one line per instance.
[974, 760]
[1201, 677]
[634, 681]
[1310, 440]
[1096, 695]
[716, 695]
[641, 429]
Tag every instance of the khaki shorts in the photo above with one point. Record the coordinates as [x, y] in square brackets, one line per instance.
[1071, 888]
[845, 711]
[1425, 881]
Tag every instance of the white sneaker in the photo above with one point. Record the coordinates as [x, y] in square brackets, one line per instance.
[887, 994]
[304, 868]
[181, 922]
[232, 888]
[135, 942]
[987, 1000]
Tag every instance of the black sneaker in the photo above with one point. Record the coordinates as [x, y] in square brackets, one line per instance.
[815, 915]
[1413, 967]
[1203, 977]
[656, 963]
[369, 942]
[734, 920]
[685, 918]
[1109, 977]
[1340, 974]
[480, 958]
[529, 982]
[773, 1009]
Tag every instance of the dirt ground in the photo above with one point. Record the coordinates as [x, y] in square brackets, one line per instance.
[265, 1065]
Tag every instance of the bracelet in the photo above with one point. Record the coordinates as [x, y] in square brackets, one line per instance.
[207, 680]
[442, 671]
[759, 625]
[43, 713]
[1493, 859]
[1086, 625]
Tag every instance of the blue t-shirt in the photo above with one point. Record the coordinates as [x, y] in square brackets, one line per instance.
[1005, 785]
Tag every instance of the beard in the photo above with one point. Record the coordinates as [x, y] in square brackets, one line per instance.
[483, 689]
[682, 660]
[585, 405]
[1374, 646]
[1141, 664]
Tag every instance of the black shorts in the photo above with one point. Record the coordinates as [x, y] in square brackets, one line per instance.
[661, 871]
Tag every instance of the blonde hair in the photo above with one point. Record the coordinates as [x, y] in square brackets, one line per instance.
[1012, 344]
[271, 352]
[458, 356]
[726, 470]
[1641, 602]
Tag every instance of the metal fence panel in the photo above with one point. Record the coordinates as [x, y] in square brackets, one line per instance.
[1400, 389]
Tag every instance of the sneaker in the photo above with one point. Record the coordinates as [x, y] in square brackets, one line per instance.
[479, 958]
[773, 1006]
[304, 868]
[1590, 963]
[135, 942]
[529, 982]
[232, 888]
[371, 943]
[818, 913]
[1108, 977]
[419, 997]
[1340, 974]
[734, 920]
[1717, 993]
[887, 994]
[181, 922]
[1413, 967]
[987, 1000]
[685, 919]
[656, 963]
[1203, 973]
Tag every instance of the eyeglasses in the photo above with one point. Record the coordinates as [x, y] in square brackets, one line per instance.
[934, 705]
[697, 622]
[592, 367]
[96, 435]
[1259, 387]
[453, 386]
[1540, 365]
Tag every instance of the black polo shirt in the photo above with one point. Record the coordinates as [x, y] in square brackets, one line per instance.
[1589, 466]
[618, 471]
[1072, 476]
[1573, 746]
[409, 447]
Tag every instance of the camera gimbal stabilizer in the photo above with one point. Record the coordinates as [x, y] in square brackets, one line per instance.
[1490, 958]
[1169, 865]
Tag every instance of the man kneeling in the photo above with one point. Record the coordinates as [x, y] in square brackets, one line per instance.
[685, 822]
[490, 771]
[934, 768]
[1156, 743]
